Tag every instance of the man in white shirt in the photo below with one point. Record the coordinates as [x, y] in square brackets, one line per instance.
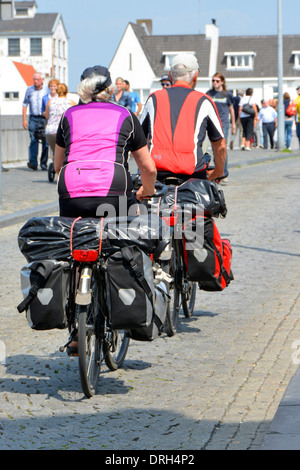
[268, 116]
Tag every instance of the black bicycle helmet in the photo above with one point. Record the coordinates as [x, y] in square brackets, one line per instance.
[103, 72]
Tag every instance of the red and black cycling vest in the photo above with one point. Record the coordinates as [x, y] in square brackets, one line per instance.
[178, 130]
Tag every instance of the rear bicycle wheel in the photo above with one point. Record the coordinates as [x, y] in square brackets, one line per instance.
[89, 343]
[89, 353]
[115, 347]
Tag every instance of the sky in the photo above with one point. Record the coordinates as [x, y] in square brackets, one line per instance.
[95, 27]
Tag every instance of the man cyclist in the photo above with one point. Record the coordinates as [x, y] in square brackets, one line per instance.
[175, 121]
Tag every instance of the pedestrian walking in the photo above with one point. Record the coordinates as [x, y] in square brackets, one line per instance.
[288, 121]
[56, 106]
[121, 96]
[224, 103]
[297, 117]
[238, 125]
[135, 99]
[52, 85]
[268, 115]
[36, 123]
[248, 117]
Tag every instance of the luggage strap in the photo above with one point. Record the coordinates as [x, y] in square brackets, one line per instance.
[42, 272]
[224, 273]
[127, 253]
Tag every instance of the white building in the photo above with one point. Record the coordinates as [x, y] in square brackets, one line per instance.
[15, 77]
[35, 39]
[246, 61]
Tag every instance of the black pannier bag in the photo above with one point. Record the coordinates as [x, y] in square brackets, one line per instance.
[130, 288]
[204, 193]
[151, 332]
[135, 303]
[45, 287]
[208, 257]
[44, 238]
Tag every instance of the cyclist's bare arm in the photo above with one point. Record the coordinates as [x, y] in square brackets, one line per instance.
[59, 155]
[219, 150]
[148, 172]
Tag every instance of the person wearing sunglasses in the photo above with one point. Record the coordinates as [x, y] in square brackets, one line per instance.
[224, 103]
[166, 82]
[176, 121]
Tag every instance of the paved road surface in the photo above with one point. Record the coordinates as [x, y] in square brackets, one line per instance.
[215, 385]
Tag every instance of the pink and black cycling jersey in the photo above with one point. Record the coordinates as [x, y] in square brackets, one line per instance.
[97, 137]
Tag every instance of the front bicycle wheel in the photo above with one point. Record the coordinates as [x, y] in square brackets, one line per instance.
[51, 172]
[175, 289]
[115, 347]
[188, 297]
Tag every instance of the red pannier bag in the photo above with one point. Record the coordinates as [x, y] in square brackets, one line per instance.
[207, 256]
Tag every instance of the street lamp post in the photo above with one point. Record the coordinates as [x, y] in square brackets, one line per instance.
[280, 119]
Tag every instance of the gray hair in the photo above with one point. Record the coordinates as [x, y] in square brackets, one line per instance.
[86, 89]
[180, 73]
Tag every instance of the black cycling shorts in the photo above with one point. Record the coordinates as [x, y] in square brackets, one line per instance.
[95, 206]
[162, 175]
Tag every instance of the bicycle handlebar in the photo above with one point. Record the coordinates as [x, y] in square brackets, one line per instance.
[160, 188]
[210, 168]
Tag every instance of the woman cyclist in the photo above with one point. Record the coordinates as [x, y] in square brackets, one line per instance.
[91, 152]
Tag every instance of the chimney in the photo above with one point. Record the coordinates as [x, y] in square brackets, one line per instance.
[147, 25]
[212, 33]
[6, 9]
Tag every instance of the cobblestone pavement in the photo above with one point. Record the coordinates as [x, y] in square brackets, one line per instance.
[214, 385]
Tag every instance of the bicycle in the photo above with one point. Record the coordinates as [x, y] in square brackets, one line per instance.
[184, 291]
[88, 319]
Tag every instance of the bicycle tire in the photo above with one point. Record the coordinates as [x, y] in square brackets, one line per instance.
[115, 347]
[171, 322]
[89, 349]
[188, 287]
[173, 309]
[188, 297]
[51, 172]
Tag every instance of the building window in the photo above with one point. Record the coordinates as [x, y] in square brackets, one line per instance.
[145, 92]
[240, 60]
[296, 60]
[130, 61]
[14, 47]
[35, 46]
[21, 11]
[169, 56]
[11, 95]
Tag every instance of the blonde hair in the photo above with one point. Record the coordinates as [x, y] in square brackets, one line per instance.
[86, 89]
